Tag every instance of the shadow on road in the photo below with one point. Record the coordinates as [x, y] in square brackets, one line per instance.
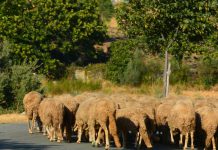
[8, 144]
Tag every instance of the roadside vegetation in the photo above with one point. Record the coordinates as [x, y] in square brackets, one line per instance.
[41, 48]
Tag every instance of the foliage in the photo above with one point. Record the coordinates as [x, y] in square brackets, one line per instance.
[189, 22]
[15, 82]
[23, 80]
[135, 69]
[106, 9]
[55, 33]
[5, 90]
[70, 86]
[15, 79]
[121, 52]
[208, 70]
[153, 70]
[120, 56]
[180, 73]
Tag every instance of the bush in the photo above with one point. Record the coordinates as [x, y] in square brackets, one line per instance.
[15, 82]
[153, 70]
[135, 69]
[208, 71]
[121, 54]
[23, 80]
[106, 9]
[5, 90]
[180, 73]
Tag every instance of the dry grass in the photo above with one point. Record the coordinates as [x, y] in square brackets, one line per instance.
[13, 118]
[176, 92]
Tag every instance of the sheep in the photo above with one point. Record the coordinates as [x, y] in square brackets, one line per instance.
[148, 104]
[31, 103]
[102, 113]
[163, 111]
[51, 113]
[201, 103]
[71, 106]
[133, 119]
[182, 118]
[82, 116]
[86, 95]
[208, 117]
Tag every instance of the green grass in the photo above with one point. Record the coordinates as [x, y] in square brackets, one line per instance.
[70, 86]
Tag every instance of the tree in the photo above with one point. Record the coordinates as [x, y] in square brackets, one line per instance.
[158, 21]
[56, 33]
[106, 9]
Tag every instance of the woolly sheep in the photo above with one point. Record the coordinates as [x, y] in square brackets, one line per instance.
[133, 119]
[208, 117]
[103, 112]
[182, 118]
[31, 103]
[82, 116]
[71, 106]
[51, 112]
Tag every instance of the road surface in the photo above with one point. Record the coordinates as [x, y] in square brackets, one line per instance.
[16, 137]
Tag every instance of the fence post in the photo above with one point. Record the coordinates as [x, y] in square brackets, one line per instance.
[165, 75]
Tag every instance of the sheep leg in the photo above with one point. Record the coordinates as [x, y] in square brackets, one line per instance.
[48, 131]
[92, 134]
[137, 139]
[59, 134]
[97, 142]
[29, 127]
[171, 136]
[181, 140]
[33, 121]
[208, 141]
[186, 141]
[44, 130]
[214, 143]
[192, 140]
[79, 132]
[113, 130]
[145, 137]
[107, 145]
[52, 134]
[139, 142]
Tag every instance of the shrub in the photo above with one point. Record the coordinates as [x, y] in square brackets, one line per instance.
[208, 70]
[15, 82]
[153, 70]
[23, 80]
[135, 69]
[180, 73]
[5, 90]
[121, 54]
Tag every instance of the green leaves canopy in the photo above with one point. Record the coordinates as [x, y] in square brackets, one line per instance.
[54, 32]
[158, 21]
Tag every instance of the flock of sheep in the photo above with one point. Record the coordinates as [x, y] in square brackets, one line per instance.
[101, 117]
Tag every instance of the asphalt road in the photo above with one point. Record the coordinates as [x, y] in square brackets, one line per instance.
[15, 136]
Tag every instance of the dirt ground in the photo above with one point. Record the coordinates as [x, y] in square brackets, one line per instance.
[13, 118]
